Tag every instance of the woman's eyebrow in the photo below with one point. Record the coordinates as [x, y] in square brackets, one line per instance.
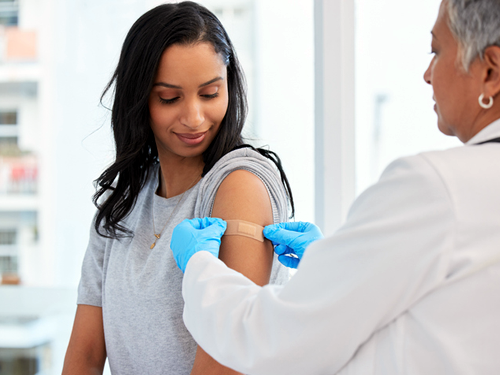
[170, 86]
[211, 81]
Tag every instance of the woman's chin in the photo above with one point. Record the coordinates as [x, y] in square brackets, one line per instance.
[445, 129]
[191, 152]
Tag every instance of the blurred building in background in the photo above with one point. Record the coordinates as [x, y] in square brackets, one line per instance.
[26, 331]
[19, 151]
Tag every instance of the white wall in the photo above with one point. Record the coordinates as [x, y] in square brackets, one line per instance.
[392, 53]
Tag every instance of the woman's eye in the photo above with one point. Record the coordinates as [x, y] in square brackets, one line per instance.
[211, 96]
[168, 101]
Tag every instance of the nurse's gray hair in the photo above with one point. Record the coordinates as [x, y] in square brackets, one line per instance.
[475, 25]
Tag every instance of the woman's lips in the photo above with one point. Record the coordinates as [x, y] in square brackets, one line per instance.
[191, 139]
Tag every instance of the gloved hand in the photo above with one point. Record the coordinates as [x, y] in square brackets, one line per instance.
[193, 235]
[291, 240]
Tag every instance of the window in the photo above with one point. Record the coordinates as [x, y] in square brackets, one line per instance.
[9, 10]
[7, 237]
[8, 133]
[8, 265]
[8, 118]
[18, 167]
[24, 361]
[8, 256]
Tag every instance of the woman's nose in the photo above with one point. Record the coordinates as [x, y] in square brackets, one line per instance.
[427, 74]
[192, 115]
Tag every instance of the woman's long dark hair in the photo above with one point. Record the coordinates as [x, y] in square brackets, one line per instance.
[184, 23]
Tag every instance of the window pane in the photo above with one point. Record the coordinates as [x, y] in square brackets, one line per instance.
[8, 118]
[9, 12]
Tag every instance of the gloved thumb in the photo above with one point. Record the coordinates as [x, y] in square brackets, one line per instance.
[289, 261]
[282, 249]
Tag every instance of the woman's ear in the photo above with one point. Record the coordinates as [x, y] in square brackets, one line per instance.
[492, 76]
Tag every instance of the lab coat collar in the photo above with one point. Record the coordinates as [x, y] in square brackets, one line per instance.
[489, 132]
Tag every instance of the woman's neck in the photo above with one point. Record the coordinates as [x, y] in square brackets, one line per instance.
[178, 175]
[482, 120]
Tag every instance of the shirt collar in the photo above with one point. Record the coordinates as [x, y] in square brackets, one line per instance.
[489, 132]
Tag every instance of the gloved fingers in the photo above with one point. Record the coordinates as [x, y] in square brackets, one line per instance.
[207, 222]
[186, 224]
[202, 223]
[282, 249]
[273, 228]
[281, 236]
[191, 236]
[313, 230]
[213, 227]
[183, 230]
[296, 226]
[289, 261]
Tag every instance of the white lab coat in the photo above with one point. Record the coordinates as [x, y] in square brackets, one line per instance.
[409, 285]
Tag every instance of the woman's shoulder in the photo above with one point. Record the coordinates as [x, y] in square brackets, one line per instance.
[243, 153]
[252, 161]
[247, 159]
[244, 158]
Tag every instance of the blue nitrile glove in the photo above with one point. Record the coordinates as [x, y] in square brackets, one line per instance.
[291, 240]
[193, 235]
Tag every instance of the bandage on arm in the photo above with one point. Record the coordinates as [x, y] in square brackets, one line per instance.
[244, 229]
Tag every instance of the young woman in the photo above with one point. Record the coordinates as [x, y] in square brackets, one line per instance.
[178, 113]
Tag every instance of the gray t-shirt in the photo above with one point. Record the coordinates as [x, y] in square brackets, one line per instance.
[139, 289]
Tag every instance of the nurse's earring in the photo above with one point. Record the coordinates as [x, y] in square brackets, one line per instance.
[485, 106]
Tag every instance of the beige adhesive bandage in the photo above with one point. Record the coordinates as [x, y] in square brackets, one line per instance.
[245, 229]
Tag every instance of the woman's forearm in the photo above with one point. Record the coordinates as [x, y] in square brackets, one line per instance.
[86, 354]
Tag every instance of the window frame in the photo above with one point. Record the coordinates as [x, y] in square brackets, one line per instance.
[334, 112]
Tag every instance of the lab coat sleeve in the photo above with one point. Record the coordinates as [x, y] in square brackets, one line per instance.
[393, 250]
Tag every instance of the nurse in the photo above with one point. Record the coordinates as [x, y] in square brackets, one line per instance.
[411, 283]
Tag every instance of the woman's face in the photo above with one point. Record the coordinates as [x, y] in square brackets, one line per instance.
[456, 92]
[188, 101]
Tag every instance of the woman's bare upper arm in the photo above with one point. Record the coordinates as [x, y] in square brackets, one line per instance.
[86, 350]
[243, 196]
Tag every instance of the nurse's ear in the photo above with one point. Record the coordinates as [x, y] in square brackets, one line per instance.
[491, 75]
